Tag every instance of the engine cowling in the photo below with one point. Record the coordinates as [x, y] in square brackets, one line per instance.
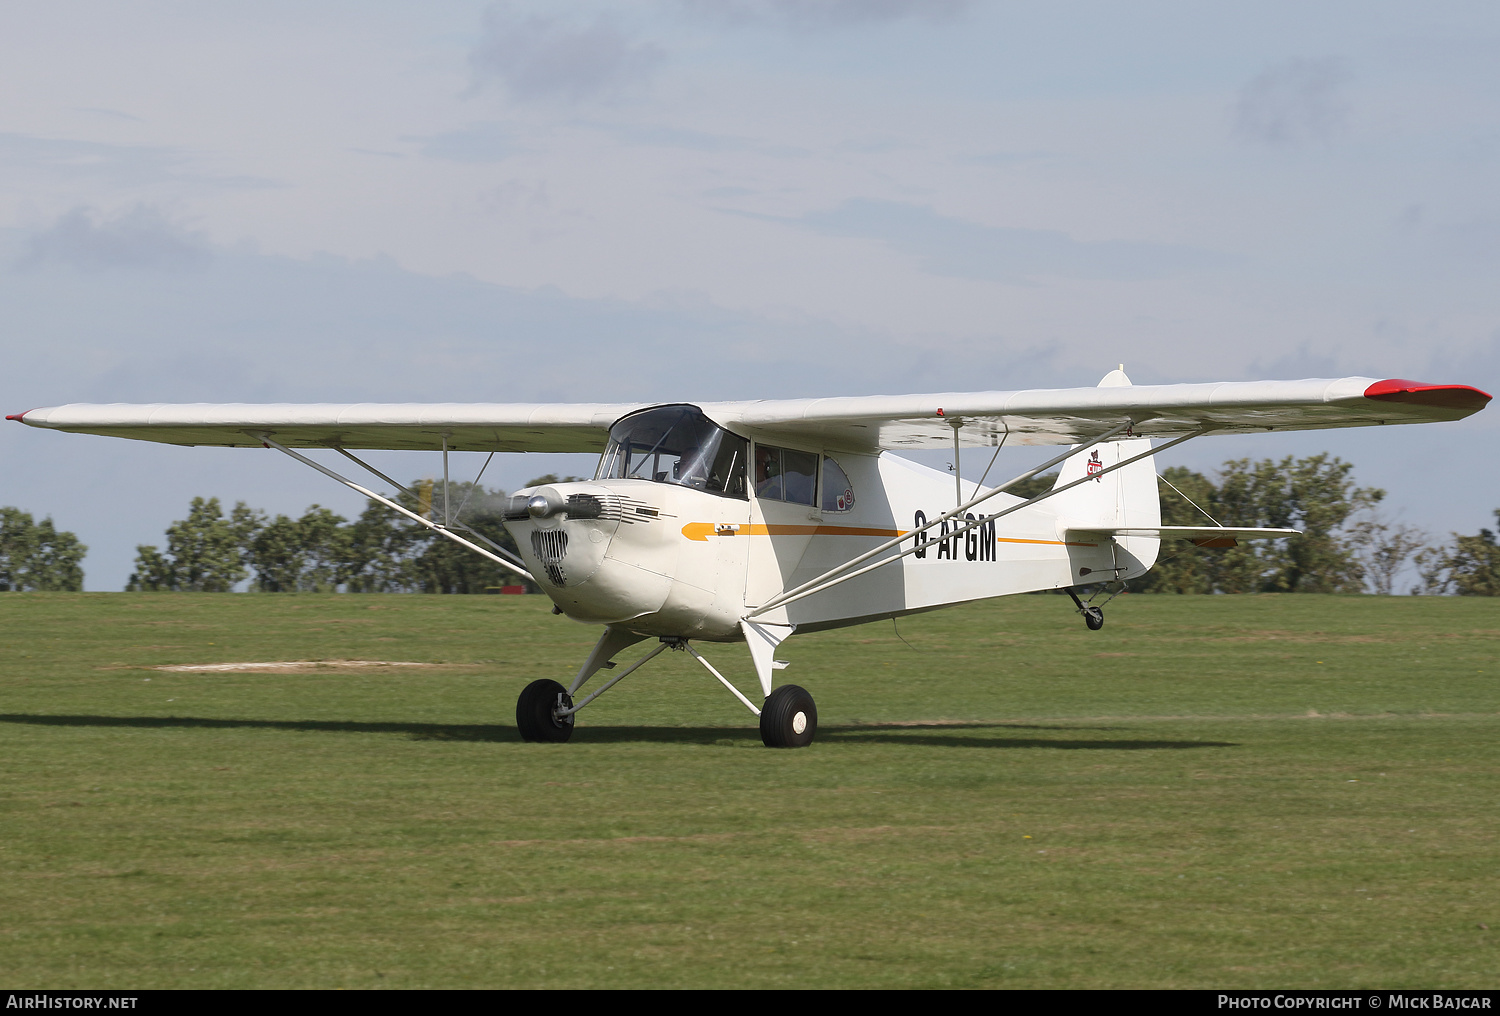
[614, 552]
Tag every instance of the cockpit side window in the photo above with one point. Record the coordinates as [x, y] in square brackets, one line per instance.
[838, 492]
[676, 444]
[785, 474]
[768, 479]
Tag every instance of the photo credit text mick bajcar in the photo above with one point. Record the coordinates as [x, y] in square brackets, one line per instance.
[1359, 1000]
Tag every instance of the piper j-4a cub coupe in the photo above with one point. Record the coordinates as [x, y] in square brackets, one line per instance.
[748, 521]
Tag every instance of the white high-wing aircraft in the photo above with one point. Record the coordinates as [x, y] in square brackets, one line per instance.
[731, 521]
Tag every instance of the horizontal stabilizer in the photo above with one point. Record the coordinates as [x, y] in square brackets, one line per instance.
[1201, 536]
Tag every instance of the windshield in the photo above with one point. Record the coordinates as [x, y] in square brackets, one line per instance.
[676, 444]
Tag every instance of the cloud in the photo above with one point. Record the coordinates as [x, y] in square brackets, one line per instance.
[822, 14]
[140, 238]
[481, 142]
[538, 57]
[1293, 103]
[676, 137]
[327, 328]
[122, 165]
[967, 250]
[112, 114]
[1473, 241]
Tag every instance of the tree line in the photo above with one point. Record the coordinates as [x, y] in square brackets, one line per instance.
[1347, 546]
[36, 557]
[321, 552]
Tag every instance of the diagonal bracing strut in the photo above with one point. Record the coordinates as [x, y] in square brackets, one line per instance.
[607, 685]
[266, 439]
[842, 574]
[497, 548]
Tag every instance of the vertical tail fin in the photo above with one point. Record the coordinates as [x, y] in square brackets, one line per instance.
[1124, 498]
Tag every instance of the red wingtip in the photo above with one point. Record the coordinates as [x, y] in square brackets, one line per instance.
[1415, 393]
[18, 417]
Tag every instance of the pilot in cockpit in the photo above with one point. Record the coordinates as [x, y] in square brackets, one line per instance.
[768, 480]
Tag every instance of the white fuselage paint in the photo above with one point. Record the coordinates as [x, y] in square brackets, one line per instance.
[668, 560]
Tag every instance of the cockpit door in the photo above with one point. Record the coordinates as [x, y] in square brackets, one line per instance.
[784, 517]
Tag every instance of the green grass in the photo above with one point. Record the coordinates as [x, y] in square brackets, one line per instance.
[1270, 791]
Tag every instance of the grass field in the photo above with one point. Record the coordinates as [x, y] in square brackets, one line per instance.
[1267, 791]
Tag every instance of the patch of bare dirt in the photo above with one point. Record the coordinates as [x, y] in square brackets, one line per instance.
[294, 666]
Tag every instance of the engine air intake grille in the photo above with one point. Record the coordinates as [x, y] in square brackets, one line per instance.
[551, 546]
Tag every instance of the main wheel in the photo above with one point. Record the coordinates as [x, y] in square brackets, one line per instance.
[535, 716]
[789, 719]
[1093, 617]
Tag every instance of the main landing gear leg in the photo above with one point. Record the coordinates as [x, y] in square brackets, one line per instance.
[788, 717]
[545, 710]
[1092, 616]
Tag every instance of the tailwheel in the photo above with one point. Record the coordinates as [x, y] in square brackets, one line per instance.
[789, 719]
[1092, 616]
[536, 712]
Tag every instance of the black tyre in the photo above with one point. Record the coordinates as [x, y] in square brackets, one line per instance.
[789, 719]
[1093, 617]
[534, 716]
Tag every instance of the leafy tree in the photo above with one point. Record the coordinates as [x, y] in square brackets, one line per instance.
[324, 550]
[154, 571]
[1384, 548]
[1315, 495]
[203, 551]
[308, 554]
[381, 551]
[1470, 566]
[438, 565]
[36, 556]
[375, 555]
[386, 552]
[1031, 487]
[1188, 499]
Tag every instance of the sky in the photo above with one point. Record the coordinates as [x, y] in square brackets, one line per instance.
[690, 200]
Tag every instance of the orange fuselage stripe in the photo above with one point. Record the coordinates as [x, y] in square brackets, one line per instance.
[701, 531]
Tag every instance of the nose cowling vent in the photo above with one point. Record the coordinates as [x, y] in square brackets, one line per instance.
[605, 507]
[550, 547]
[584, 506]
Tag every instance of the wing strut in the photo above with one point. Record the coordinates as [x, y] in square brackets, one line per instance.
[442, 530]
[458, 525]
[958, 483]
[841, 574]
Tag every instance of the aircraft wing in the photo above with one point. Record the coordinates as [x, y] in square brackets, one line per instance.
[1076, 415]
[519, 427]
[1029, 417]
